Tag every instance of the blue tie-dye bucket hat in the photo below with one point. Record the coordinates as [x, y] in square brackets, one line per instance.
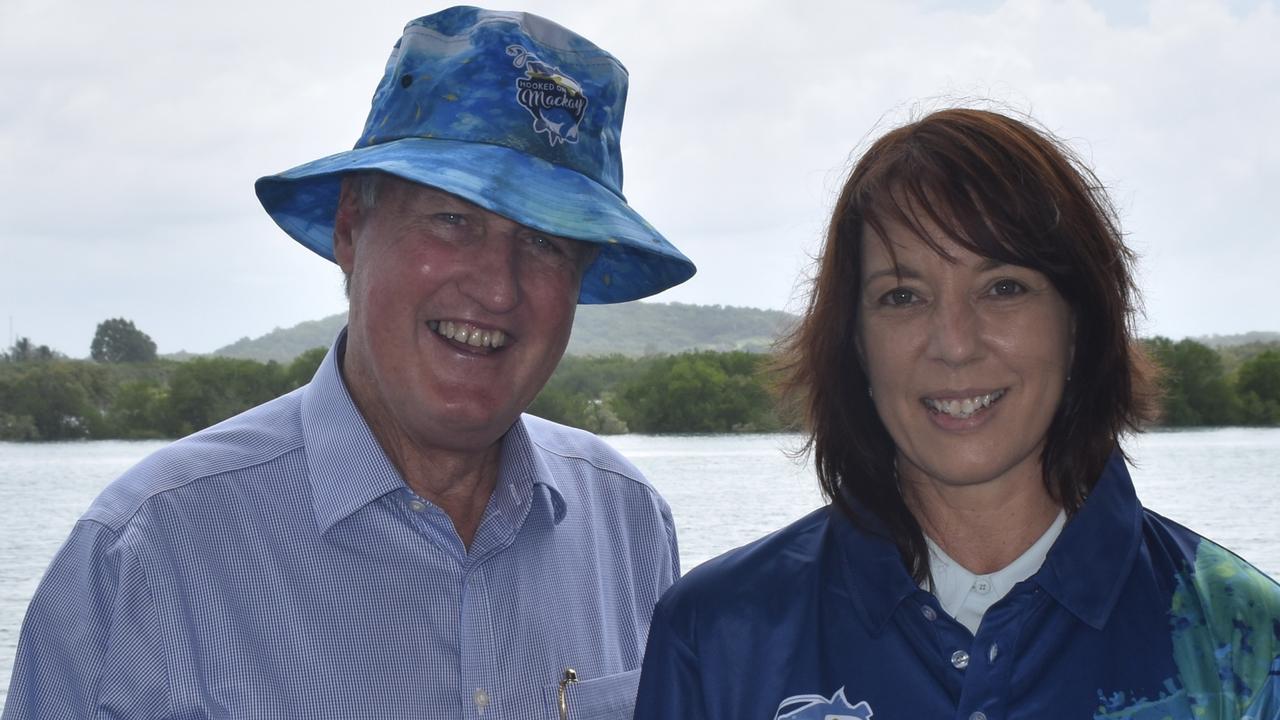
[513, 113]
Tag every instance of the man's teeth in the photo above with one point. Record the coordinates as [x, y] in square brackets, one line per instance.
[965, 407]
[468, 334]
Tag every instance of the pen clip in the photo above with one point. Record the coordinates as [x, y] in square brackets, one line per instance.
[570, 677]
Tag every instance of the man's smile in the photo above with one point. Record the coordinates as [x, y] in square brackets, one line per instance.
[468, 334]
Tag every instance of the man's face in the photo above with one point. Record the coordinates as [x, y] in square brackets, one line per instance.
[458, 315]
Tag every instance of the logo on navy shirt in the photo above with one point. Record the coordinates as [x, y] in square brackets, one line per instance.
[817, 707]
[555, 100]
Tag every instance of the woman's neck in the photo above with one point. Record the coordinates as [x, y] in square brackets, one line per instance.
[983, 527]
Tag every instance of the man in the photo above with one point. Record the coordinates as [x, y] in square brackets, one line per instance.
[395, 539]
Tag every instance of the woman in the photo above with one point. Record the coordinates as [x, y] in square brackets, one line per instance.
[966, 368]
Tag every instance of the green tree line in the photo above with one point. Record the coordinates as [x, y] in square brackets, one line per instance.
[1199, 390]
[61, 399]
[45, 396]
[694, 392]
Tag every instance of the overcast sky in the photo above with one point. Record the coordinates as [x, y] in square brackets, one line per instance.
[131, 134]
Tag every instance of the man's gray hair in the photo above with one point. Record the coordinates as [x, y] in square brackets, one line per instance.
[367, 184]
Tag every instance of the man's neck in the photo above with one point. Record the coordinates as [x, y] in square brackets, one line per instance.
[460, 484]
[458, 481]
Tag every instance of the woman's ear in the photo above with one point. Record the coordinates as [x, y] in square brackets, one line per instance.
[857, 343]
[1071, 343]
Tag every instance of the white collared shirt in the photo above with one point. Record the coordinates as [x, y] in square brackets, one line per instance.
[966, 596]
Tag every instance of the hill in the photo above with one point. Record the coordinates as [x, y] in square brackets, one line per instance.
[285, 344]
[1218, 342]
[637, 329]
[632, 329]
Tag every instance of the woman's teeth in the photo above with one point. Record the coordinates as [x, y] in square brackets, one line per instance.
[965, 407]
[468, 334]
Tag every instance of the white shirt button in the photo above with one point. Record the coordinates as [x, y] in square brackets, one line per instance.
[482, 699]
[993, 652]
[418, 506]
[982, 586]
[928, 613]
[978, 715]
[959, 659]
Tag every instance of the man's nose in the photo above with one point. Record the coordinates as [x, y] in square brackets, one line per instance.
[490, 277]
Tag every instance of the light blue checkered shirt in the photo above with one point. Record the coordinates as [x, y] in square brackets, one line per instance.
[276, 566]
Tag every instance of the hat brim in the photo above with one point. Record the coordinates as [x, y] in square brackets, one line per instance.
[634, 260]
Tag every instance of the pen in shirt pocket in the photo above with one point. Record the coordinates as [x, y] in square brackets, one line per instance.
[570, 677]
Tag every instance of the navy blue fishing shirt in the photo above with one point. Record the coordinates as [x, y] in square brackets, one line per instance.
[1131, 617]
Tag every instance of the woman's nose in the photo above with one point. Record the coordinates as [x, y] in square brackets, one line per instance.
[954, 336]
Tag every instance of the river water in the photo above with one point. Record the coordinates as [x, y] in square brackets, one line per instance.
[724, 490]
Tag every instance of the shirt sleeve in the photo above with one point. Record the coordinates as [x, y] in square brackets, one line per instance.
[672, 543]
[90, 644]
[670, 679]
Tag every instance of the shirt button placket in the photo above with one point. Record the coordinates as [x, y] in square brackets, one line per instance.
[477, 650]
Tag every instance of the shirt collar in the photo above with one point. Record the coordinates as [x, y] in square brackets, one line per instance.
[876, 580]
[1088, 566]
[522, 470]
[953, 583]
[349, 469]
[1084, 571]
[347, 466]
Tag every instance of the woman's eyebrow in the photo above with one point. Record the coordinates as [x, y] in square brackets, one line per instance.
[896, 271]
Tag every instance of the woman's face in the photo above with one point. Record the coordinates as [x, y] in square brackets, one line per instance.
[967, 359]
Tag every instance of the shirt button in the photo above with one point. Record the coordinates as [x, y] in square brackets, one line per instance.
[482, 699]
[928, 613]
[978, 715]
[419, 506]
[982, 585]
[993, 652]
[959, 659]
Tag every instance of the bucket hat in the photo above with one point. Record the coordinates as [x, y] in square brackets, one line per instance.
[509, 111]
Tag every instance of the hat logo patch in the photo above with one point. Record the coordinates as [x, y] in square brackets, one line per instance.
[554, 99]
[817, 707]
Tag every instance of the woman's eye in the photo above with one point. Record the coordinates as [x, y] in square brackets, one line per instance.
[898, 296]
[1007, 287]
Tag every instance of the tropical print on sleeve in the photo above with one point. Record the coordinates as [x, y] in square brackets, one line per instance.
[1226, 638]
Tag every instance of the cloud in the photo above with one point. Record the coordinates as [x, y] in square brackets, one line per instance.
[131, 141]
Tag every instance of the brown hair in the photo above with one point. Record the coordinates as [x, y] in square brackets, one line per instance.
[1003, 190]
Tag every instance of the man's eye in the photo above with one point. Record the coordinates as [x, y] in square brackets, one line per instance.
[451, 218]
[1007, 287]
[898, 296]
[543, 243]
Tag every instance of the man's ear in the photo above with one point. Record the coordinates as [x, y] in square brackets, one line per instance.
[345, 222]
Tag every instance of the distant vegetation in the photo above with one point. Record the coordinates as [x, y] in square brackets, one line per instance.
[60, 399]
[45, 396]
[1200, 391]
[695, 392]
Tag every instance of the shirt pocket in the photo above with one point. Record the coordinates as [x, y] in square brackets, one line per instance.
[612, 697]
